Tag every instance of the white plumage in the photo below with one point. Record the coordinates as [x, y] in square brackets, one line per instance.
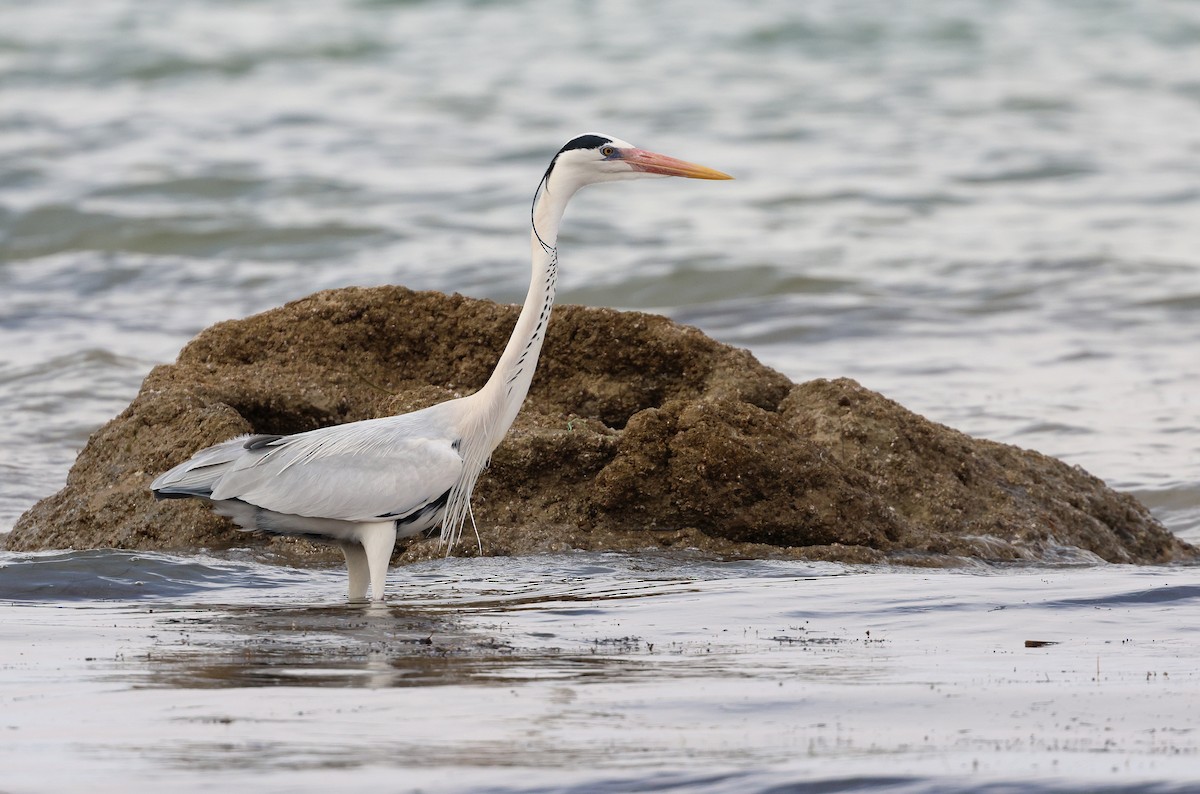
[363, 484]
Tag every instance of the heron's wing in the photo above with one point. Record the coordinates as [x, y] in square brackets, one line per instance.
[198, 475]
[354, 472]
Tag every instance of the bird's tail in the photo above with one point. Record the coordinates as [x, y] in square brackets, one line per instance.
[198, 475]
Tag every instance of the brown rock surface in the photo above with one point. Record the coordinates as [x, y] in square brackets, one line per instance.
[637, 433]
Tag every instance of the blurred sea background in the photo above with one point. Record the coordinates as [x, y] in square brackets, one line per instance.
[989, 212]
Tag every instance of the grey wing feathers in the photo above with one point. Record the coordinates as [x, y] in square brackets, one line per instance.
[198, 475]
[355, 472]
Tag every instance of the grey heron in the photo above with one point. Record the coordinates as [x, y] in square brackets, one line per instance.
[362, 484]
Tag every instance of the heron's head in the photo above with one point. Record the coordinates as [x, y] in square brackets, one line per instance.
[602, 158]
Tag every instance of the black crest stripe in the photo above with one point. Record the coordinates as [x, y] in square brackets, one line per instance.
[582, 142]
[585, 142]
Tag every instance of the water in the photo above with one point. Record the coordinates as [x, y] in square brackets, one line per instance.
[985, 211]
[595, 672]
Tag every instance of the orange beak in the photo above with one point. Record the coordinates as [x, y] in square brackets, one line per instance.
[654, 163]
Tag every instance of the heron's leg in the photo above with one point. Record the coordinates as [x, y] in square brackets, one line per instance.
[378, 540]
[356, 564]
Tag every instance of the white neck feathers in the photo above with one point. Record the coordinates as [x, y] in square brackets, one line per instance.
[494, 407]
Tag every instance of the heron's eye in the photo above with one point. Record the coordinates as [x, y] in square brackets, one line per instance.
[608, 151]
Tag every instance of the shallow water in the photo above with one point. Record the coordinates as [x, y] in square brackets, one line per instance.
[596, 672]
[985, 211]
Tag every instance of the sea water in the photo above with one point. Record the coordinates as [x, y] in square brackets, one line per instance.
[595, 672]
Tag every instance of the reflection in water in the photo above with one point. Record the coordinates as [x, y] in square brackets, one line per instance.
[388, 645]
[349, 646]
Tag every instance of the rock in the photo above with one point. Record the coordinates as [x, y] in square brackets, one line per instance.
[638, 433]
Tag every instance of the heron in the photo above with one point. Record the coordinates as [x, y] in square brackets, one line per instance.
[361, 485]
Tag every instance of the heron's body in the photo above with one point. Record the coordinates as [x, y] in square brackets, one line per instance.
[363, 484]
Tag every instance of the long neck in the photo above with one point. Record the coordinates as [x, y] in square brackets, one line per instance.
[506, 389]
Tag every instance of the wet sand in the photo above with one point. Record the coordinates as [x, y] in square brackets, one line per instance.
[598, 672]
